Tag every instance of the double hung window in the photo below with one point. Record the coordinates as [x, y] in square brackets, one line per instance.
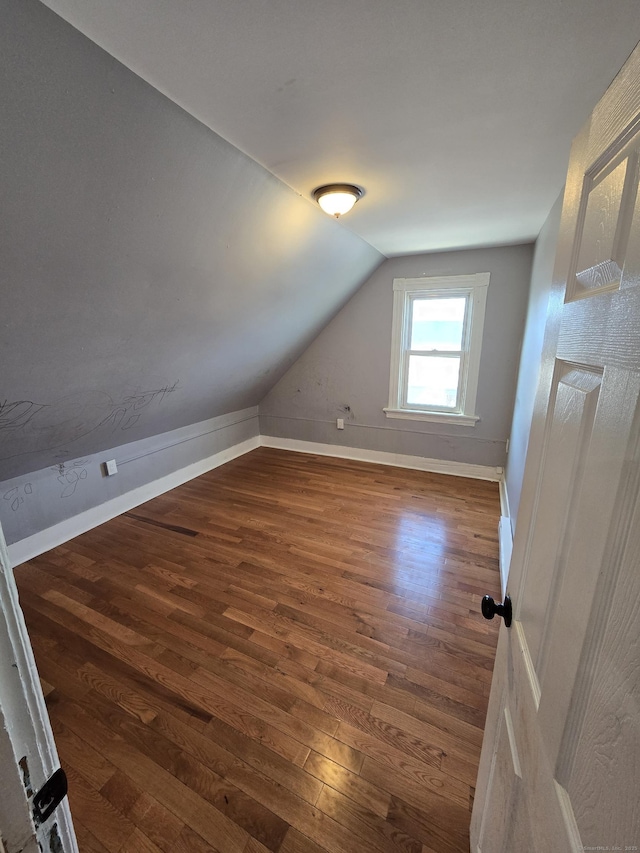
[436, 345]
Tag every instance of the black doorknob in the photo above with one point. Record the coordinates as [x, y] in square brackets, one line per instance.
[490, 608]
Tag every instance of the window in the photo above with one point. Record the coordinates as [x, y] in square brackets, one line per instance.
[436, 343]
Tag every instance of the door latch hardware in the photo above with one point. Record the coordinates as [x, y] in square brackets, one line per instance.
[490, 608]
[49, 797]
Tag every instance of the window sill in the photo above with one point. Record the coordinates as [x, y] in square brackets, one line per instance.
[434, 417]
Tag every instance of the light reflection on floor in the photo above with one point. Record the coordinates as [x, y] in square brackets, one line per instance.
[420, 544]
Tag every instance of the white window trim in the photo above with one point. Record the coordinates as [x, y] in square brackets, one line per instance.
[476, 286]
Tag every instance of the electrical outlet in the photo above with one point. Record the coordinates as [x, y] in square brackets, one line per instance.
[340, 423]
[110, 468]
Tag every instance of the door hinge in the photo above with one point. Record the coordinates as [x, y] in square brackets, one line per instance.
[49, 797]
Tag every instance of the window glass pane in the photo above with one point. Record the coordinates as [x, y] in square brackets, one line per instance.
[433, 381]
[437, 323]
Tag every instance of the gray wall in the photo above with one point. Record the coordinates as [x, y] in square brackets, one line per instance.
[31, 503]
[541, 281]
[152, 276]
[345, 371]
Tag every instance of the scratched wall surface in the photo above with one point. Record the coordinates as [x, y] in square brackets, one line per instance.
[152, 275]
[32, 503]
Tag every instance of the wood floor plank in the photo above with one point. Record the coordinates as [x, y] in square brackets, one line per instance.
[87, 842]
[406, 787]
[285, 655]
[420, 823]
[108, 825]
[138, 842]
[428, 775]
[296, 842]
[128, 799]
[348, 783]
[190, 842]
[89, 764]
[177, 797]
[373, 832]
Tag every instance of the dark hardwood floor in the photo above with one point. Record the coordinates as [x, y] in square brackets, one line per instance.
[285, 654]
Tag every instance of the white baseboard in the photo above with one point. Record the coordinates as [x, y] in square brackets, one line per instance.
[398, 460]
[56, 535]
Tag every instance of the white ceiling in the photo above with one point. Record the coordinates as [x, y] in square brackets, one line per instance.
[455, 116]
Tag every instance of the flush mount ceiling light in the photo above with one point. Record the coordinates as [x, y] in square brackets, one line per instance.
[336, 199]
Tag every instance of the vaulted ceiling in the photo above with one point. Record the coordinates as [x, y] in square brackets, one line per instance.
[455, 116]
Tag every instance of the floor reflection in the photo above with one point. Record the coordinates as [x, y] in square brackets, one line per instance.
[421, 541]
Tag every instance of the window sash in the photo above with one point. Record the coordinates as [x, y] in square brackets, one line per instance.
[462, 354]
[438, 390]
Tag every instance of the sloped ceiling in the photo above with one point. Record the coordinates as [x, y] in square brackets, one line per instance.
[152, 275]
[455, 116]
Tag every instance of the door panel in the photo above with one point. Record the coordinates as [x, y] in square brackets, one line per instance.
[601, 244]
[607, 718]
[575, 395]
[560, 766]
[505, 791]
[570, 633]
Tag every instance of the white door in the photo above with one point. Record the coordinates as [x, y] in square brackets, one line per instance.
[28, 754]
[560, 766]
